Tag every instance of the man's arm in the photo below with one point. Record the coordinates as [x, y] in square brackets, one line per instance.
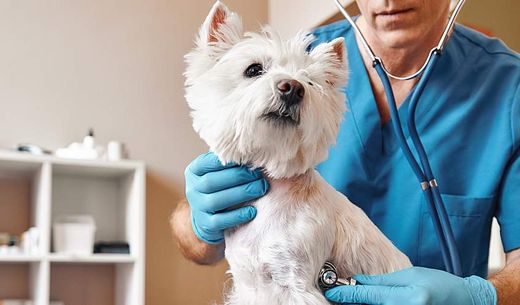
[507, 281]
[192, 247]
[214, 194]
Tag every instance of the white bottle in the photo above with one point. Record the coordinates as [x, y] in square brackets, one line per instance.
[89, 141]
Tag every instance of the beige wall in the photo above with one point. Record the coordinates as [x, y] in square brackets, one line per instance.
[114, 65]
[289, 16]
[499, 16]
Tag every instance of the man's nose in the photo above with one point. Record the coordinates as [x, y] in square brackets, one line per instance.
[291, 91]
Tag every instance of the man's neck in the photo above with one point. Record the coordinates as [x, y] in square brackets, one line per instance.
[398, 61]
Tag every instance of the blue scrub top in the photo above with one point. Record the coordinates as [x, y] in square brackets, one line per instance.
[469, 121]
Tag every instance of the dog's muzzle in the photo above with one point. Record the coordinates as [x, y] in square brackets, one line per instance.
[291, 93]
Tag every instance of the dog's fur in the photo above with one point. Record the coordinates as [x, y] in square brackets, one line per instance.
[302, 221]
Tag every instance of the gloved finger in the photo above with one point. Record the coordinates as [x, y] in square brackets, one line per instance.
[225, 220]
[206, 163]
[223, 179]
[397, 278]
[371, 295]
[221, 200]
[206, 236]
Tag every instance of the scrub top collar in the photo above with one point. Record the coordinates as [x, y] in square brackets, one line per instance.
[380, 139]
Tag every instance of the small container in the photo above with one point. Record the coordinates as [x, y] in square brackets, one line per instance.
[115, 151]
[74, 234]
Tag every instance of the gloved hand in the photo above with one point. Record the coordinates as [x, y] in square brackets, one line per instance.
[212, 189]
[416, 286]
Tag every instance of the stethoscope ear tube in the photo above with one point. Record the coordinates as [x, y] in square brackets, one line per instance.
[443, 41]
[451, 22]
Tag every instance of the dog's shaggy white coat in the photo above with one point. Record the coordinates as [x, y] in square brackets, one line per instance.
[302, 221]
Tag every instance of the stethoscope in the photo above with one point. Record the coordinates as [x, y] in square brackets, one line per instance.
[329, 278]
[424, 173]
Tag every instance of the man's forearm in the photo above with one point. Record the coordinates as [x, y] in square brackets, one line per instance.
[191, 247]
[507, 281]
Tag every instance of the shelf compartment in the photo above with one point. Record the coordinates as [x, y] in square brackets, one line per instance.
[111, 200]
[15, 203]
[25, 199]
[83, 284]
[101, 284]
[14, 281]
[23, 280]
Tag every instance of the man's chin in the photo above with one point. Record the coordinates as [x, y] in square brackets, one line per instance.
[401, 38]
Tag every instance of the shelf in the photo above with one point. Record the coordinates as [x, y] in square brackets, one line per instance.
[25, 163]
[35, 191]
[94, 168]
[64, 258]
[19, 165]
[95, 258]
[20, 258]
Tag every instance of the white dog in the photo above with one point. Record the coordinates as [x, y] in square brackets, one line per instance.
[274, 105]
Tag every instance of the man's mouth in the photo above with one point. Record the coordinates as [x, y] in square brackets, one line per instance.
[394, 13]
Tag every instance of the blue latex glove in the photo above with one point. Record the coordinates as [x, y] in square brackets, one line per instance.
[212, 189]
[416, 286]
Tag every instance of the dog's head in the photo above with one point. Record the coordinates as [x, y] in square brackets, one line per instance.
[262, 101]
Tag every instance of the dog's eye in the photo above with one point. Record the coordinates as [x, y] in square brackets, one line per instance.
[254, 70]
[311, 83]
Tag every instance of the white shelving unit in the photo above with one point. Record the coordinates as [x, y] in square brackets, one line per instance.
[112, 192]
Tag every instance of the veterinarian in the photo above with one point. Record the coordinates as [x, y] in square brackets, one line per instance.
[469, 120]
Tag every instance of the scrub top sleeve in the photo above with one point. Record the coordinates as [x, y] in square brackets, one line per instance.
[508, 212]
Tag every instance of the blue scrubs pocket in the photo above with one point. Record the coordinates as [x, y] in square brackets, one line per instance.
[471, 220]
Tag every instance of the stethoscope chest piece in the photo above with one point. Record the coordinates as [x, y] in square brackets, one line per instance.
[328, 277]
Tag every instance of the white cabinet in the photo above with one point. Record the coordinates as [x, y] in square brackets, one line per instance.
[35, 190]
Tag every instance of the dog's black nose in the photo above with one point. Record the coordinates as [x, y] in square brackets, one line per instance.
[291, 91]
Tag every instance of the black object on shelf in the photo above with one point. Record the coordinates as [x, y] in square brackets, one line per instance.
[119, 247]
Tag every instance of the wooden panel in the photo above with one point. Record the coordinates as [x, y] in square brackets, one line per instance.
[14, 204]
[14, 281]
[83, 284]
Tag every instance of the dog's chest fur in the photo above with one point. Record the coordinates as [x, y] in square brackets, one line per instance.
[289, 236]
[301, 223]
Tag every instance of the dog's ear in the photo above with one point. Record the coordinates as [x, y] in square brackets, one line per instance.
[338, 49]
[334, 55]
[221, 28]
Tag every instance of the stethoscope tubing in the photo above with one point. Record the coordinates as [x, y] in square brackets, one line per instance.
[423, 171]
[407, 152]
[428, 172]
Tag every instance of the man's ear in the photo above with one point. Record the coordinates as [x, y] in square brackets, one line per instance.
[221, 28]
[334, 56]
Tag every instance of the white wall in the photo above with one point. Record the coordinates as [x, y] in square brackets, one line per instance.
[115, 65]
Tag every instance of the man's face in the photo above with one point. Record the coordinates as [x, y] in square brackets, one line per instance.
[397, 23]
